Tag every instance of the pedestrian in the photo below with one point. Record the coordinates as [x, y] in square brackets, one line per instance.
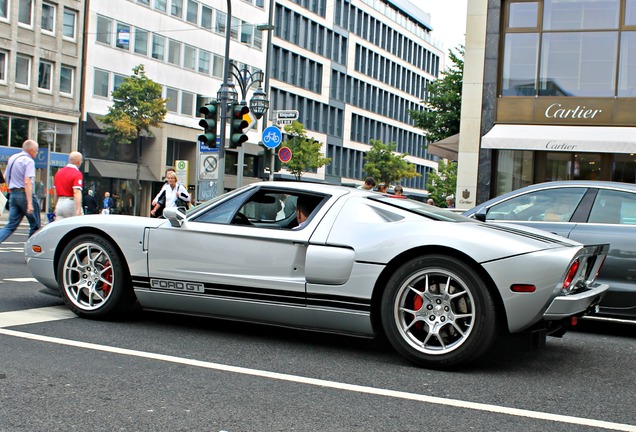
[398, 191]
[160, 198]
[107, 204]
[19, 177]
[90, 203]
[430, 201]
[67, 188]
[382, 187]
[449, 201]
[174, 194]
[369, 184]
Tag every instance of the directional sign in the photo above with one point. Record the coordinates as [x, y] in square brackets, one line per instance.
[284, 154]
[287, 115]
[272, 137]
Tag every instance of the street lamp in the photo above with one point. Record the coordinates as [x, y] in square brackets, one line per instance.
[227, 95]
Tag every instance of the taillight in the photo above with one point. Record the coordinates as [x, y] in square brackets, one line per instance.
[569, 278]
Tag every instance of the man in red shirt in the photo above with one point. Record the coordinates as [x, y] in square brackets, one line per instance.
[68, 185]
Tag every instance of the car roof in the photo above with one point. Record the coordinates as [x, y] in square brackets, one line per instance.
[630, 187]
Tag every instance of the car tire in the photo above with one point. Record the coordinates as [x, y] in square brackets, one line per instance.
[93, 280]
[435, 326]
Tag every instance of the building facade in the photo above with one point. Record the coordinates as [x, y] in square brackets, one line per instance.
[353, 69]
[41, 48]
[549, 94]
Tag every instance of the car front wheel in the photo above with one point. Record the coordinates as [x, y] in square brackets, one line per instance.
[93, 280]
[438, 313]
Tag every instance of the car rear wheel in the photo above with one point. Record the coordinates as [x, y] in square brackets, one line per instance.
[93, 280]
[437, 312]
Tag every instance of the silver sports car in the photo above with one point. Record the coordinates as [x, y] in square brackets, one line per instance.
[439, 286]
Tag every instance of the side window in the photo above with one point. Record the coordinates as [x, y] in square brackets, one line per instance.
[614, 207]
[265, 209]
[552, 205]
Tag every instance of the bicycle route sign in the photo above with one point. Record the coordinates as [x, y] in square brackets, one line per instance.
[272, 137]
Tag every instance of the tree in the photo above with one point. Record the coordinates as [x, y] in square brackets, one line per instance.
[443, 182]
[137, 107]
[441, 116]
[384, 165]
[306, 151]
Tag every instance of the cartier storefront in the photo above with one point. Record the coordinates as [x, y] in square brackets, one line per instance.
[544, 139]
[566, 93]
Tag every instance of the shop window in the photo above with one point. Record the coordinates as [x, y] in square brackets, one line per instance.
[19, 131]
[627, 68]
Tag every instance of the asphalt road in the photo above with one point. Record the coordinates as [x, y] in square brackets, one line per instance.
[163, 372]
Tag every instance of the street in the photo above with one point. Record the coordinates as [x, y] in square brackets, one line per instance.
[161, 372]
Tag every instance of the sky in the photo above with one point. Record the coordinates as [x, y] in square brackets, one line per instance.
[448, 19]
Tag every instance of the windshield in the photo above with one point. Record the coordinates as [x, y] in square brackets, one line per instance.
[421, 208]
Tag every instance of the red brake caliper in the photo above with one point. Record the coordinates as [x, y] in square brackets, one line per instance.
[108, 275]
[417, 305]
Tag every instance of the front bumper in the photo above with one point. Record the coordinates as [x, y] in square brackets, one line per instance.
[575, 304]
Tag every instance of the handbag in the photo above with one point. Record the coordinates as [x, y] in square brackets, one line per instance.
[7, 205]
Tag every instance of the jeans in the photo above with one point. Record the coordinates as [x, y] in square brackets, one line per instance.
[17, 212]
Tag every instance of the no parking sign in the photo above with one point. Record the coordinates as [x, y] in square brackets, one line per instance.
[285, 154]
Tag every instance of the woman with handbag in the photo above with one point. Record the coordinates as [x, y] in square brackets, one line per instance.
[172, 194]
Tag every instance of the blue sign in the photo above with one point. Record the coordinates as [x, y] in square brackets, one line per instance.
[56, 160]
[272, 137]
[203, 148]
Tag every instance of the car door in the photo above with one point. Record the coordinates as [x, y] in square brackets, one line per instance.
[235, 257]
[612, 220]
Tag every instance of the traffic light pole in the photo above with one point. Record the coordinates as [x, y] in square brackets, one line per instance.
[220, 183]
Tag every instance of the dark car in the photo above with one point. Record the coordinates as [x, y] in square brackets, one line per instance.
[589, 212]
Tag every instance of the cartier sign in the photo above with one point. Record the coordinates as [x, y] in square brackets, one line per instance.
[567, 111]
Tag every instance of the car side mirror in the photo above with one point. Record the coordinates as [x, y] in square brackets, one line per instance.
[480, 214]
[175, 215]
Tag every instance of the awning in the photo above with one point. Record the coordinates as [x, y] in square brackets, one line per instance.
[448, 148]
[122, 170]
[596, 139]
[94, 122]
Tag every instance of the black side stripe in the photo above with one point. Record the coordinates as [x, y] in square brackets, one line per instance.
[272, 296]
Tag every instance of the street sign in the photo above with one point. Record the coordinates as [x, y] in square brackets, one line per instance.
[283, 122]
[272, 137]
[287, 115]
[284, 154]
[208, 167]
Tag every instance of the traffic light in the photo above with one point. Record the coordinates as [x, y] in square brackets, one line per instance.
[211, 113]
[237, 137]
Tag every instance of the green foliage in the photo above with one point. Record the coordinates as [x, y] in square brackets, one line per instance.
[442, 183]
[137, 107]
[306, 152]
[441, 116]
[384, 165]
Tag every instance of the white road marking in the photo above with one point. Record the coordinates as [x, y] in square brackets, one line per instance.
[58, 312]
[35, 316]
[21, 279]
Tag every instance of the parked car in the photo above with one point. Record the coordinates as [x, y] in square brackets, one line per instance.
[588, 212]
[437, 284]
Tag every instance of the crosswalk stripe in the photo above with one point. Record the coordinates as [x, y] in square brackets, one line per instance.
[35, 316]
